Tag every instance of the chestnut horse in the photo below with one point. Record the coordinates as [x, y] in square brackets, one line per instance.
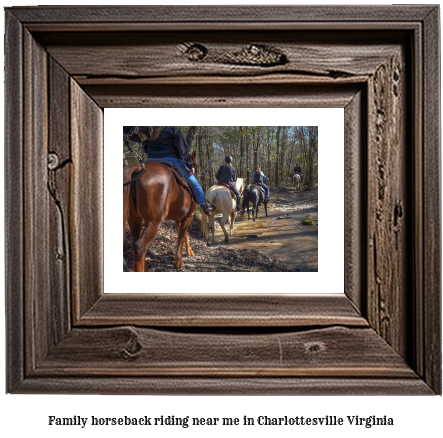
[152, 198]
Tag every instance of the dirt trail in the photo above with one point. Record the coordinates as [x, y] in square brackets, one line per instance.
[282, 234]
[278, 243]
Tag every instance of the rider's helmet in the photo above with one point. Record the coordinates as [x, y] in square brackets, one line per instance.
[228, 159]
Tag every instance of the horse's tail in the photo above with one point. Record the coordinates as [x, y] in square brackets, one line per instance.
[245, 200]
[205, 229]
[127, 176]
[204, 225]
[125, 202]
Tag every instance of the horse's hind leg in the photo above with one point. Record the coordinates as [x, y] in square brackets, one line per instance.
[212, 228]
[222, 224]
[135, 227]
[183, 237]
[189, 251]
[233, 216]
[141, 246]
[254, 210]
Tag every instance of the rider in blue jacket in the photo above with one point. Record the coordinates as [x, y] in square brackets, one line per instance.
[259, 176]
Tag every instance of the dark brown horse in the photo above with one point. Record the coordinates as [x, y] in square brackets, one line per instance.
[154, 197]
[255, 194]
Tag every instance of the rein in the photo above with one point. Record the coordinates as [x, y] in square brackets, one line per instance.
[139, 174]
[204, 170]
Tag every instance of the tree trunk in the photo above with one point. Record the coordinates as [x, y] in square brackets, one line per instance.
[241, 151]
[201, 162]
[277, 159]
[208, 156]
[269, 151]
[312, 132]
[284, 143]
[247, 159]
[190, 136]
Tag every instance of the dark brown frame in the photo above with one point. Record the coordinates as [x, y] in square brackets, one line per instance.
[63, 65]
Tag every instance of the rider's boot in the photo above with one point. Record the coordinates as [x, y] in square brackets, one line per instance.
[239, 209]
[208, 210]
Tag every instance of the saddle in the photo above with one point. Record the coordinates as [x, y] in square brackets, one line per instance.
[262, 190]
[233, 195]
[296, 173]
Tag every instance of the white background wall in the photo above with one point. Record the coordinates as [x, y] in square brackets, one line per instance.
[27, 415]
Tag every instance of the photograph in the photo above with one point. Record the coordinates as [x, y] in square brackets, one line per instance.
[220, 198]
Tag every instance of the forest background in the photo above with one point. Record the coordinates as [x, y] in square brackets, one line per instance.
[275, 149]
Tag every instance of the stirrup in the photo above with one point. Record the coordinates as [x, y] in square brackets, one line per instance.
[208, 209]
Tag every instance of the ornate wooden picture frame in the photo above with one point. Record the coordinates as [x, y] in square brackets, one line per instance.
[65, 64]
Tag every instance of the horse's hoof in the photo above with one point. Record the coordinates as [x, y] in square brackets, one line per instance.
[178, 263]
[190, 253]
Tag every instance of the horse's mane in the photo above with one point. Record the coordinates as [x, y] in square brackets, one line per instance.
[240, 187]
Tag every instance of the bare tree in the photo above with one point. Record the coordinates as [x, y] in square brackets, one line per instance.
[274, 148]
[277, 160]
[190, 136]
